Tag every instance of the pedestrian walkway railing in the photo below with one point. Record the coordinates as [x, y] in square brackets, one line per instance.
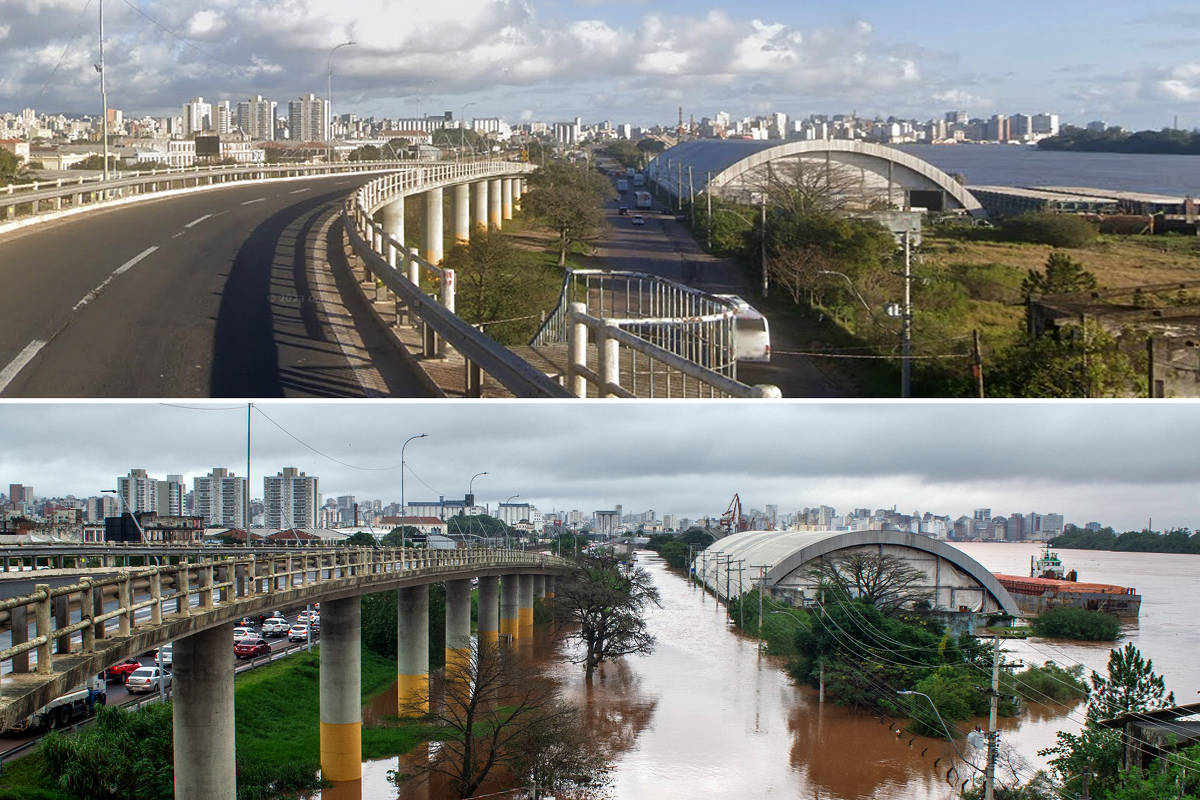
[637, 335]
[399, 273]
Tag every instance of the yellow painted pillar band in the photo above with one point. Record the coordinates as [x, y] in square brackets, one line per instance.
[412, 694]
[549, 595]
[526, 617]
[458, 660]
[508, 627]
[489, 637]
[341, 751]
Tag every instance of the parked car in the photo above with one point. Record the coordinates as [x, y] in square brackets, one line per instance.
[147, 679]
[298, 633]
[166, 652]
[119, 672]
[240, 633]
[251, 648]
[276, 626]
[638, 219]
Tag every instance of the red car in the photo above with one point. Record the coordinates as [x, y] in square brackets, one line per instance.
[251, 648]
[119, 672]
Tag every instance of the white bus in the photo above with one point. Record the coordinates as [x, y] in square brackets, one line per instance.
[643, 200]
[752, 333]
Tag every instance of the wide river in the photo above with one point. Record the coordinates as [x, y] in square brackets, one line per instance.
[705, 716]
[1012, 165]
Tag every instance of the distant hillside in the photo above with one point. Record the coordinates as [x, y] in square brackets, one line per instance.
[1115, 140]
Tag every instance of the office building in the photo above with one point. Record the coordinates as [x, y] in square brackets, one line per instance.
[138, 491]
[308, 119]
[219, 497]
[291, 499]
[256, 118]
[169, 501]
[197, 116]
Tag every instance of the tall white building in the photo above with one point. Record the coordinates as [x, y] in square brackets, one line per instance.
[219, 498]
[1046, 123]
[512, 513]
[256, 118]
[308, 119]
[197, 116]
[290, 499]
[222, 117]
[139, 491]
[170, 496]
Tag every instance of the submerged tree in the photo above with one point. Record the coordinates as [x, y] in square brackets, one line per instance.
[603, 603]
[886, 582]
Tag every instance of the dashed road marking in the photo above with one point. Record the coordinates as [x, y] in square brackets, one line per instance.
[94, 293]
[198, 220]
[256, 200]
[17, 364]
[298, 191]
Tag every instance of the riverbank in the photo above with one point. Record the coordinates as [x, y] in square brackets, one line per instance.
[277, 710]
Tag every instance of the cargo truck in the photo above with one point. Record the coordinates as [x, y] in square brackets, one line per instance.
[622, 186]
[62, 711]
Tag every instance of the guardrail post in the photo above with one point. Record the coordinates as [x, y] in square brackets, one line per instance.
[182, 584]
[448, 289]
[125, 620]
[19, 624]
[45, 663]
[156, 598]
[577, 337]
[62, 618]
[608, 352]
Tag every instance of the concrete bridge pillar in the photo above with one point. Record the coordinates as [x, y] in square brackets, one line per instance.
[458, 626]
[202, 717]
[412, 650]
[489, 610]
[539, 587]
[551, 581]
[433, 225]
[341, 690]
[518, 190]
[510, 605]
[462, 213]
[393, 225]
[479, 217]
[494, 210]
[506, 198]
[525, 625]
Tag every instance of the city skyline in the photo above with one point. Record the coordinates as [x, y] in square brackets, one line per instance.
[621, 60]
[688, 465]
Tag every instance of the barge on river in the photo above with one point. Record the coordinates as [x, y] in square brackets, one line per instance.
[1049, 585]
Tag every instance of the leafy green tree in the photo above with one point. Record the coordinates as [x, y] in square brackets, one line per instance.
[1131, 685]
[1056, 230]
[1061, 276]
[568, 200]
[675, 553]
[624, 151]
[1068, 622]
[122, 755]
[496, 284]
[1071, 362]
[379, 623]
[10, 166]
[651, 146]
[361, 539]
[367, 152]
[397, 536]
[478, 525]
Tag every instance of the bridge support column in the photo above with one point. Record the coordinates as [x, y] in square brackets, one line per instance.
[510, 604]
[462, 213]
[506, 198]
[341, 690]
[539, 587]
[489, 610]
[518, 190]
[412, 650]
[494, 211]
[458, 626]
[551, 580]
[433, 225]
[525, 614]
[202, 717]
[393, 226]
[479, 205]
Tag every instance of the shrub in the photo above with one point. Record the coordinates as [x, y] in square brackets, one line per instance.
[1068, 622]
[1056, 230]
[1048, 683]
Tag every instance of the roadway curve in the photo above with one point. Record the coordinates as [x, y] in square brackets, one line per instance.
[219, 293]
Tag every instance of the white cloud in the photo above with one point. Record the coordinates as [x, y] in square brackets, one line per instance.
[204, 24]
[1182, 83]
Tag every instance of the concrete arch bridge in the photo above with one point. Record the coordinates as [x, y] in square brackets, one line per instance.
[76, 622]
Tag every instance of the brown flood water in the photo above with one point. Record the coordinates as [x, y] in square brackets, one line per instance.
[705, 716]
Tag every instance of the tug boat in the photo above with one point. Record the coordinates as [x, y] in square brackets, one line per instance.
[1050, 584]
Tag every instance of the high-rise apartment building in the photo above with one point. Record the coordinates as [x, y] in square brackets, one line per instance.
[256, 118]
[219, 497]
[19, 494]
[291, 499]
[308, 119]
[197, 116]
[1046, 123]
[169, 500]
[99, 508]
[138, 491]
[222, 117]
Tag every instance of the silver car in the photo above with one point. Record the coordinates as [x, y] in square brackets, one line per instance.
[147, 679]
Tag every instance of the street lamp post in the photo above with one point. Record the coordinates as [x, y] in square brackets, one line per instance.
[935, 710]
[507, 500]
[403, 507]
[329, 123]
[103, 93]
[462, 124]
[471, 484]
[125, 506]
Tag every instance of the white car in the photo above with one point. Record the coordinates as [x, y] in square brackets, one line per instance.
[298, 633]
[244, 633]
[163, 655]
[147, 679]
[275, 626]
[638, 219]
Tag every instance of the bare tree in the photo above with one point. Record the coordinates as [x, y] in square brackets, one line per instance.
[564, 757]
[603, 602]
[887, 582]
[492, 706]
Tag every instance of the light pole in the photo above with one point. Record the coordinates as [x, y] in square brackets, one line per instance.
[935, 710]
[507, 500]
[462, 125]
[125, 506]
[329, 123]
[852, 287]
[471, 485]
[103, 93]
[404, 508]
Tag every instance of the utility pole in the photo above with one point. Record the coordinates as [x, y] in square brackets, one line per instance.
[103, 93]
[708, 204]
[691, 197]
[977, 362]
[763, 245]
[989, 778]
[246, 491]
[906, 324]
[678, 186]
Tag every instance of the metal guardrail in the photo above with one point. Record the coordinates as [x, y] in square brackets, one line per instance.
[47, 197]
[184, 598]
[398, 269]
[685, 337]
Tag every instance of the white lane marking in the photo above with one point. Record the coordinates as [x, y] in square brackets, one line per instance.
[298, 191]
[94, 293]
[176, 235]
[198, 220]
[17, 364]
[256, 200]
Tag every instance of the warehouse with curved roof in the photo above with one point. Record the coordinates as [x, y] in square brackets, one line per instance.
[784, 561]
[864, 174]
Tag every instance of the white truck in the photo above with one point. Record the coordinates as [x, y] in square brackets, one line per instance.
[622, 186]
[62, 711]
[643, 200]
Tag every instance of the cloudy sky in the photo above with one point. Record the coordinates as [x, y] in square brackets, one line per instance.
[1118, 464]
[625, 60]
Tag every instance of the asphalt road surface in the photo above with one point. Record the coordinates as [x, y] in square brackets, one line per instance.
[221, 293]
[665, 247]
